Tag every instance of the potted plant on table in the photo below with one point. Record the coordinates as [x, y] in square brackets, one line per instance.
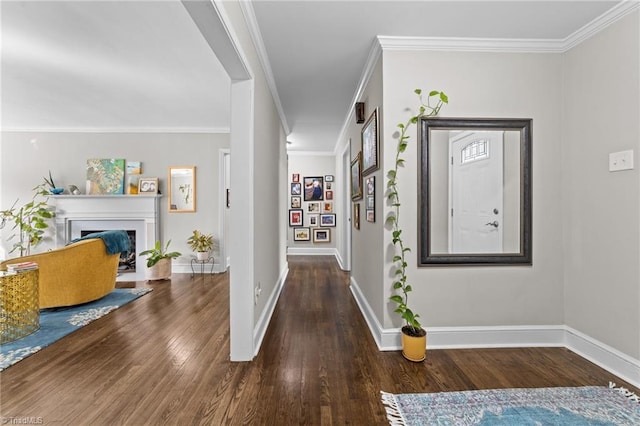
[414, 337]
[201, 244]
[159, 261]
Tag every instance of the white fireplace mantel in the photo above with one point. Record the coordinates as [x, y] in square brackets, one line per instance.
[138, 212]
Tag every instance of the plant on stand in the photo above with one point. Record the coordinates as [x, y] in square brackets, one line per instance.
[201, 244]
[159, 261]
[414, 337]
[29, 221]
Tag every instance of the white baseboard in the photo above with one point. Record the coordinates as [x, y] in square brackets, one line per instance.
[260, 328]
[185, 268]
[311, 251]
[612, 360]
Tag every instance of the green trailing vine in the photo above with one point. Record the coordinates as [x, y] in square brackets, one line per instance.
[400, 285]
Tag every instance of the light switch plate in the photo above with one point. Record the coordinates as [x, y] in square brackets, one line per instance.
[622, 160]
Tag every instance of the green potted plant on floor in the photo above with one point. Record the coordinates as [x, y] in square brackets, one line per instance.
[159, 261]
[201, 243]
[414, 337]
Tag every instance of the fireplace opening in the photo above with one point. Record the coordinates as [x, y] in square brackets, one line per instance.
[127, 260]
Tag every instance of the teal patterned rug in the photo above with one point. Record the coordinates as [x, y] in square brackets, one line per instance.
[588, 405]
[55, 323]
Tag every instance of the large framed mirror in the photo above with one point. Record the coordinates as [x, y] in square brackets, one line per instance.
[182, 189]
[475, 191]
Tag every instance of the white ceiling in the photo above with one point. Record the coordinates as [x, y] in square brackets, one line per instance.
[141, 66]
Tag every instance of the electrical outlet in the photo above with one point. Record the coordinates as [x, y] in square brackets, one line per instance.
[256, 293]
[622, 160]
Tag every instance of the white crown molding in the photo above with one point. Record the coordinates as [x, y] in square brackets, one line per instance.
[205, 130]
[455, 44]
[310, 153]
[258, 42]
[374, 54]
[617, 12]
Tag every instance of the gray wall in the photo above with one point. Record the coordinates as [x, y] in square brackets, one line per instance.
[26, 157]
[601, 113]
[482, 85]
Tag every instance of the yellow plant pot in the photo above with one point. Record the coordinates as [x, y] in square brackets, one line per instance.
[414, 348]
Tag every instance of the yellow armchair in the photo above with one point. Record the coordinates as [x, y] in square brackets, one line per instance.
[78, 273]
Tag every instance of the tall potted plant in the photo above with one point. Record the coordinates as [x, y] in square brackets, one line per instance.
[414, 337]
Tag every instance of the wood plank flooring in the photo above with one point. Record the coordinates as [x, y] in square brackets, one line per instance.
[164, 359]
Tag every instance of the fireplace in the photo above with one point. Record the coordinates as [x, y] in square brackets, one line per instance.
[127, 263]
[139, 215]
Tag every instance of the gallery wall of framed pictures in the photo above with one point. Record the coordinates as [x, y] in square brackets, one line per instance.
[311, 212]
[364, 163]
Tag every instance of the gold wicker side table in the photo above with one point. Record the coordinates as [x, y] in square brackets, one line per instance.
[19, 305]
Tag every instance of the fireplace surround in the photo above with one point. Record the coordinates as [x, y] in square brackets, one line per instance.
[139, 214]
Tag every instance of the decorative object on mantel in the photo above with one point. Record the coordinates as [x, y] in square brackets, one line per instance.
[73, 190]
[201, 244]
[56, 190]
[29, 220]
[159, 261]
[105, 176]
[148, 186]
[59, 322]
[134, 170]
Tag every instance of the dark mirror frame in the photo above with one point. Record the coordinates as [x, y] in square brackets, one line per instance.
[425, 257]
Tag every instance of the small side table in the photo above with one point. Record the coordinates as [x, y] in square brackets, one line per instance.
[19, 305]
[196, 261]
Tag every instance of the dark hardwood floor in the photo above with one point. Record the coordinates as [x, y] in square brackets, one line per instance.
[164, 359]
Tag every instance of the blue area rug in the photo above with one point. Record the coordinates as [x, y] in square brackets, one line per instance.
[55, 323]
[588, 405]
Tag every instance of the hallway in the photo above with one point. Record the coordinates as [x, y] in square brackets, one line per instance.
[164, 359]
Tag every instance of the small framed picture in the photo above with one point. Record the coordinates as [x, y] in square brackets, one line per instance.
[313, 189]
[314, 220]
[370, 142]
[321, 235]
[371, 202]
[328, 195]
[295, 217]
[148, 186]
[313, 207]
[328, 178]
[327, 207]
[370, 184]
[296, 188]
[371, 215]
[327, 220]
[296, 202]
[327, 185]
[301, 234]
[356, 215]
[356, 177]
[295, 177]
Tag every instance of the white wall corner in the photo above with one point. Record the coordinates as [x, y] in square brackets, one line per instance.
[261, 326]
[610, 359]
[603, 355]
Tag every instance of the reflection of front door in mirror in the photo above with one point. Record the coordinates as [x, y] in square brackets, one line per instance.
[476, 204]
